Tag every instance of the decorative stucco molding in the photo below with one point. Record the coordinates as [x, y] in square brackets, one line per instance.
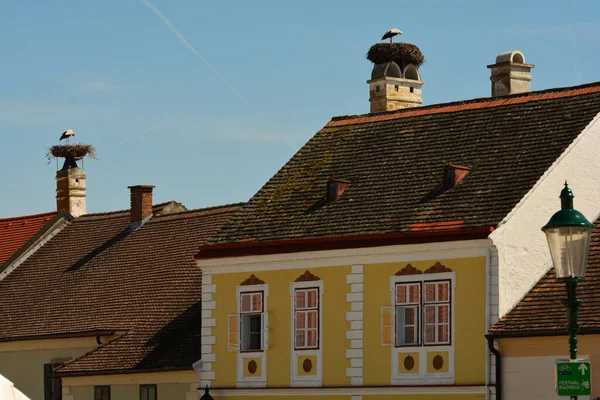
[252, 280]
[437, 268]
[409, 270]
[307, 277]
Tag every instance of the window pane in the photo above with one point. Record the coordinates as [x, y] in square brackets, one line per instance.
[300, 338]
[429, 333]
[400, 294]
[300, 299]
[430, 292]
[443, 336]
[255, 323]
[312, 338]
[443, 314]
[300, 319]
[410, 335]
[312, 299]
[430, 314]
[443, 291]
[257, 302]
[415, 294]
[245, 303]
[409, 316]
[312, 319]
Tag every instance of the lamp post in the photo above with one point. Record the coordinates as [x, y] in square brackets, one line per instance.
[568, 233]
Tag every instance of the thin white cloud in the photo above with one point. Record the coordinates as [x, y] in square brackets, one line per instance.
[193, 50]
[100, 86]
[149, 129]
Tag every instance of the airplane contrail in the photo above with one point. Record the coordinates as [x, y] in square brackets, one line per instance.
[193, 50]
[153, 127]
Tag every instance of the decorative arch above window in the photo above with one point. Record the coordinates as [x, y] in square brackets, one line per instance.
[409, 270]
[252, 280]
[307, 276]
[437, 269]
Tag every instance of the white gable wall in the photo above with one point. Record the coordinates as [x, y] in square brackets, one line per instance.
[522, 248]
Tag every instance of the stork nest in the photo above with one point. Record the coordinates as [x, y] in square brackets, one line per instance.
[77, 151]
[402, 53]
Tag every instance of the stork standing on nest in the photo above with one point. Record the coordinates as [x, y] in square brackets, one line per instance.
[391, 33]
[67, 135]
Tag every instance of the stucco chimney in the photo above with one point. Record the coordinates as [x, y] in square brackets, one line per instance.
[70, 190]
[141, 202]
[510, 74]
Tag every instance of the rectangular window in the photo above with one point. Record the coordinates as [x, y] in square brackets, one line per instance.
[148, 392]
[251, 321]
[422, 313]
[306, 318]
[408, 306]
[101, 392]
[437, 312]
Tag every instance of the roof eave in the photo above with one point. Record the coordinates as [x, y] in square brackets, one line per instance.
[241, 249]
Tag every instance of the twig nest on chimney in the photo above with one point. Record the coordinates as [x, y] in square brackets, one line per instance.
[77, 151]
[401, 53]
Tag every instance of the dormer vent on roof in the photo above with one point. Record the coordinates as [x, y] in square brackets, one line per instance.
[453, 174]
[510, 74]
[336, 187]
[395, 80]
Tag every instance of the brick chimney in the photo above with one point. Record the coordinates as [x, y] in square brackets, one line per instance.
[70, 190]
[141, 202]
[510, 74]
[395, 79]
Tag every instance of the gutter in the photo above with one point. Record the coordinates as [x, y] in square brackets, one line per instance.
[251, 247]
[496, 352]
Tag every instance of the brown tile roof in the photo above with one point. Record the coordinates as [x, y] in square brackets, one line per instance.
[541, 312]
[16, 232]
[395, 162]
[96, 275]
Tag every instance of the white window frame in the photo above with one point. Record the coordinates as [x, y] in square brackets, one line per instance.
[436, 304]
[244, 334]
[417, 306]
[306, 380]
[307, 311]
[253, 381]
[421, 377]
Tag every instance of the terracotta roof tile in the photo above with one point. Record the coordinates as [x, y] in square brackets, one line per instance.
[96, 275]
[541, 310]
[395, 161]
[17, 231]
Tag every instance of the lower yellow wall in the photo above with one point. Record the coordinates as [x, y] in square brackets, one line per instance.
[364, 397]
[470, 319]
[23, 362]
[279, 308]
[167, 391]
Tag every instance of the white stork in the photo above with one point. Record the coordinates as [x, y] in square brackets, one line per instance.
[391, 33]
[66, 135]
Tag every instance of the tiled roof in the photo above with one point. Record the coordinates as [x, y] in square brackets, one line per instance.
[18, 231]
[395, 162]
[96, 275]
[541, 312]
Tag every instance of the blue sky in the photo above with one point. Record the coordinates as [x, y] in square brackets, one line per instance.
[210, 113]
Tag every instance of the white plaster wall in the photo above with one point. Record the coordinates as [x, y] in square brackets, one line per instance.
[522, 249]
[527, 378]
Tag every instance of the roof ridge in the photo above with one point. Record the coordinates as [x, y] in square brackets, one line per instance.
[469, 104]
[127, 210]
[222, 207]
[22, 217]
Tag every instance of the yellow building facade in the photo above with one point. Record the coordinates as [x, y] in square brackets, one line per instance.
[399, 321]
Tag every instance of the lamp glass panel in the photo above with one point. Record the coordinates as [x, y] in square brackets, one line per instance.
[569, 250]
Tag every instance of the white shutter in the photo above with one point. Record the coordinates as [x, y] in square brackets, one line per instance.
[387, 326]
[265, 330]
[234, 332]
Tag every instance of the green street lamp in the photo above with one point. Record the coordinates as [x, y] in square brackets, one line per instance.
[568, 233]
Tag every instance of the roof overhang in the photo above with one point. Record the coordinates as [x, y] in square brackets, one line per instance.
[250, 248]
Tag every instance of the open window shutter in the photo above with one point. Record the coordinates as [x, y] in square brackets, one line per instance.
[387, 326]
[234, 332]
[265, 330]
